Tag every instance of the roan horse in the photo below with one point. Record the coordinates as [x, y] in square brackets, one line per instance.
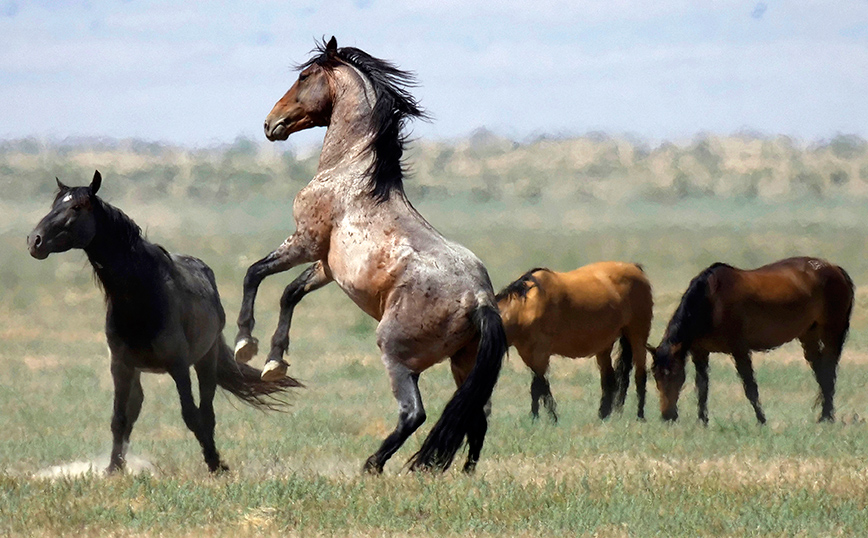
[734, 311]
[163, 315]
[579, 314]
[433, 298]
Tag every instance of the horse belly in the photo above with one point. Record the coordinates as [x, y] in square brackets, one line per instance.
[582, 332]
[772, 326]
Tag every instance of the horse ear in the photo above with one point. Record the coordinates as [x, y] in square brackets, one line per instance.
[651, 349]
[60, 185]
[332, 45]
[97, 181]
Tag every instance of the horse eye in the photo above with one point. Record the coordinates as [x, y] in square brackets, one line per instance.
[303, 76]
[76, 208]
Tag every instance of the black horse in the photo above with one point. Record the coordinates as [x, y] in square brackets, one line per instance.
[163, 315]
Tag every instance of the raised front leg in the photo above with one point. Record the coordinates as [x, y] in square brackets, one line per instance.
[127, 405]
[311, 279]
[287, 256]
[745, 371]
[193, 418]
[700, 361]
[405, 388]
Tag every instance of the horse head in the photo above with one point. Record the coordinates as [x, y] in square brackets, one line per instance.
[668, 360]
[308, 103]
[69, 224]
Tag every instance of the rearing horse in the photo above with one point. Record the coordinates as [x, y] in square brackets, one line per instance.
[432, 297]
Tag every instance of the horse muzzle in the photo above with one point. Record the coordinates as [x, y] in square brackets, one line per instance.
[35, 244]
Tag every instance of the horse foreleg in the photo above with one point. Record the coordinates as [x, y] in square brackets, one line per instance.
[193, 417]
[127, 404]
[700, 361]
[312, 279]
[745, 371]
[287, 256]
[405, 388]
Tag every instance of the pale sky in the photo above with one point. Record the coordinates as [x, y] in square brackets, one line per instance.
[204, 72]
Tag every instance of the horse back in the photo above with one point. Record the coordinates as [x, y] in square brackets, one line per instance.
[580, 312]
[766, 307]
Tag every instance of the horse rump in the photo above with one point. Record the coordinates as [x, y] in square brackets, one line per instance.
[462, 412]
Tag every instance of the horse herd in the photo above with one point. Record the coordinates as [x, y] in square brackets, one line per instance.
[432, 297]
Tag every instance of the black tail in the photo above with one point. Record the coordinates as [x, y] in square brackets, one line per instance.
[623, 367]
[468, 402]
[244, 382]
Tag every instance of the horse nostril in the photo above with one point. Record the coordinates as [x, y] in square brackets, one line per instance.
[37, 241]
[265, 126]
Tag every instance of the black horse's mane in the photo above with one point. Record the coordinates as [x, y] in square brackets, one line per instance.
[394, 106]
[130, 271]
[519, 288]
[693, 317]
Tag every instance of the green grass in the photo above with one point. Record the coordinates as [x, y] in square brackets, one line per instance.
[298, 473]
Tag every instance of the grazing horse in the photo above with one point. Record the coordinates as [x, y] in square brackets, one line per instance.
[432, 297]
[163, 315]
[579, 314]
[734, 311]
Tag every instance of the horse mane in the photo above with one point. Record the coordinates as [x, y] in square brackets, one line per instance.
[519, 288]
[693, 317]
[128, 268]
[394, 106]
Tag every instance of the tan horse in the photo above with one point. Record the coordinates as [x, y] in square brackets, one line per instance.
[432, 297]
[579, 314]
[734, 311]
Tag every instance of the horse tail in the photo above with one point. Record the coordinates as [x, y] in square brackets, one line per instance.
[623, 366]
[468, 403]
[244, 381]
[848, 293]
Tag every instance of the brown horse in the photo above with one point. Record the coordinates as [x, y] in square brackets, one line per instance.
[432, 297]
[579, 314]
[733, 311]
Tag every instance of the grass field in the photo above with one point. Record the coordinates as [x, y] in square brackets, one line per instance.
[298, 473]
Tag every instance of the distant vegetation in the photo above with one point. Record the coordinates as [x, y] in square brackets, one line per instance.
[483, 167]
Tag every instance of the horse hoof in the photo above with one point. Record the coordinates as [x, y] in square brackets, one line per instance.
[246, 349]
[371, 467]
[274, 370]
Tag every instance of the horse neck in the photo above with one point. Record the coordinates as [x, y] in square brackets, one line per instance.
[118, 255]
[347, 147]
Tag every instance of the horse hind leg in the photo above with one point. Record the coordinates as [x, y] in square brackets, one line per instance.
[193, 417]
[405, 387]
[207, 375]
[700, 361]
[824, 363]
[608, 382]
[745, 371]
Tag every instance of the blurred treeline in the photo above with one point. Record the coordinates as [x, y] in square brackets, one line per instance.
[483, 167]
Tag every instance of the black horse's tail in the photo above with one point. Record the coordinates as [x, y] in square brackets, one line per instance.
[244, 382]
[468, 403]
[623, 367]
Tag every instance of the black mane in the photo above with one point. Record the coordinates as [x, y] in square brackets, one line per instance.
[131, 272]
[693, 317]
[394, 106]
[519, 288]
